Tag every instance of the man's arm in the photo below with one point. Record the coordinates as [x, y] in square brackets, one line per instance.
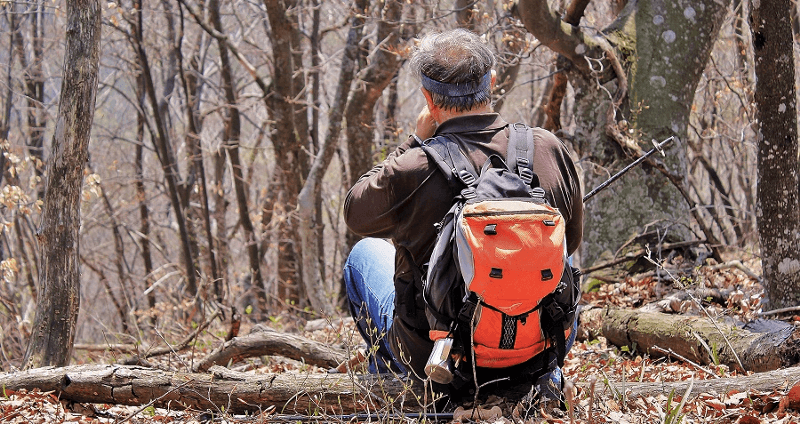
[371, 204]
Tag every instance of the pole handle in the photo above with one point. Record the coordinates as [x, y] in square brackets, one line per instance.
[659, 147]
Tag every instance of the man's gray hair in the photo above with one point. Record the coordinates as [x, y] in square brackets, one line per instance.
[455, 67]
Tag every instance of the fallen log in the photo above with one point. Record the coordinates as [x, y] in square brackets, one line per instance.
[301, 393]
[699, 339]
[220, 390]
[264, 341]
[777, 380]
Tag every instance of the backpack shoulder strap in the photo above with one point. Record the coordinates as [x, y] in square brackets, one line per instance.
[520, 153]
[451, 160]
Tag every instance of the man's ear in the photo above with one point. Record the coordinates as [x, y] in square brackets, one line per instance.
[428, 98]
[432, 108]
[494, 80]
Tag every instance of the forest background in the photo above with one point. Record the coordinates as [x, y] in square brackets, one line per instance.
[226, 135]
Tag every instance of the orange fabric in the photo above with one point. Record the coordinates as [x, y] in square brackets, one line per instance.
[436, 335]
[518, 234]
[529, 340]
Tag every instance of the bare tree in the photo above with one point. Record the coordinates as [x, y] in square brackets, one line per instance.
[309, 224]
[59, 284]
[778, 208]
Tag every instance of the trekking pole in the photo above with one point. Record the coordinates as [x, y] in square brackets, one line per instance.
[657, 148]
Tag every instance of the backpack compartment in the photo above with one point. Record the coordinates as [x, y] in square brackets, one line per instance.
[510, 252]
[511, 255]
[502, 341]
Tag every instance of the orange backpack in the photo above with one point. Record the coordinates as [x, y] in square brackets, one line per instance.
[498, 279]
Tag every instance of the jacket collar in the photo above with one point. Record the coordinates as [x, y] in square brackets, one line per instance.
[472, 123]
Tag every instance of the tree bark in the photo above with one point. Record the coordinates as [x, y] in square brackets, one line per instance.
[59, 284]
[770, 381]
[359, 113]
[298, 393]
[290, 137]
[307, 212]
[698, 339]
[141, 191]
[192, 89]
[232, 134]
[778, 205]
[264, 341]
[237, 393]
[34, 86]
[166, 156]
[651, 67]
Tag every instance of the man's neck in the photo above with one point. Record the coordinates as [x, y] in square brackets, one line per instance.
[445, 114]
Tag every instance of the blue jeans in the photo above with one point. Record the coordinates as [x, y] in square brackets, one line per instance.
[369, 280]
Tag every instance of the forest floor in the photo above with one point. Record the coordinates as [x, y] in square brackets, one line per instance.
[591, 364]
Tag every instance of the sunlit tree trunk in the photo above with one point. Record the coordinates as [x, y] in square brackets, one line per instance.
[58, 304]
[232, 135]
[166, 155]
[309, 223]
[778, 211]
[291, 139]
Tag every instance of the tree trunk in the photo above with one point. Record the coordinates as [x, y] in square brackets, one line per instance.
[166, 156]
[359, 112]
[761, 382]
[34, 86]
[141, 192]
[658, 51]
[290, 137]
[308, 227]
[778, 208]
[298, 393]
[192, 89]
[232, 134]
[59, 284]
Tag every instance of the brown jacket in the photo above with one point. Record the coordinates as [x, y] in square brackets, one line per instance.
[403, 197]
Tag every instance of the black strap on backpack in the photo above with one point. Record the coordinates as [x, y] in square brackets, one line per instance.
[454, 163]
[520, 153]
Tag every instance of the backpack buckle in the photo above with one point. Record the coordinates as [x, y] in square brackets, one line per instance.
[526, 174]
[468, 308]
[555, 311]
[469, 193]
[465, 176]
[537, 192]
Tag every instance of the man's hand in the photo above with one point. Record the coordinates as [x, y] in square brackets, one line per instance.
[426, 125]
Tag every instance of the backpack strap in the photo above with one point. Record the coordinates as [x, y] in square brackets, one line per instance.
[520, 153]
[453, 162]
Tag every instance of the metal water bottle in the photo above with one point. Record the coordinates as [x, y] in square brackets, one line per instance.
[440, 364]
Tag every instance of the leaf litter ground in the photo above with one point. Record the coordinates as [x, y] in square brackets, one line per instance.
[591, 364]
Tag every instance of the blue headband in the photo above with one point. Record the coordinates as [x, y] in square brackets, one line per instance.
[458, 89]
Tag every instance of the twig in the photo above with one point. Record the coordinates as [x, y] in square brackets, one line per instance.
[149, 404]
[738, 265]
[672, 353]
[176, 348]
[779, 311]
[639, 253]
[592, 387]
